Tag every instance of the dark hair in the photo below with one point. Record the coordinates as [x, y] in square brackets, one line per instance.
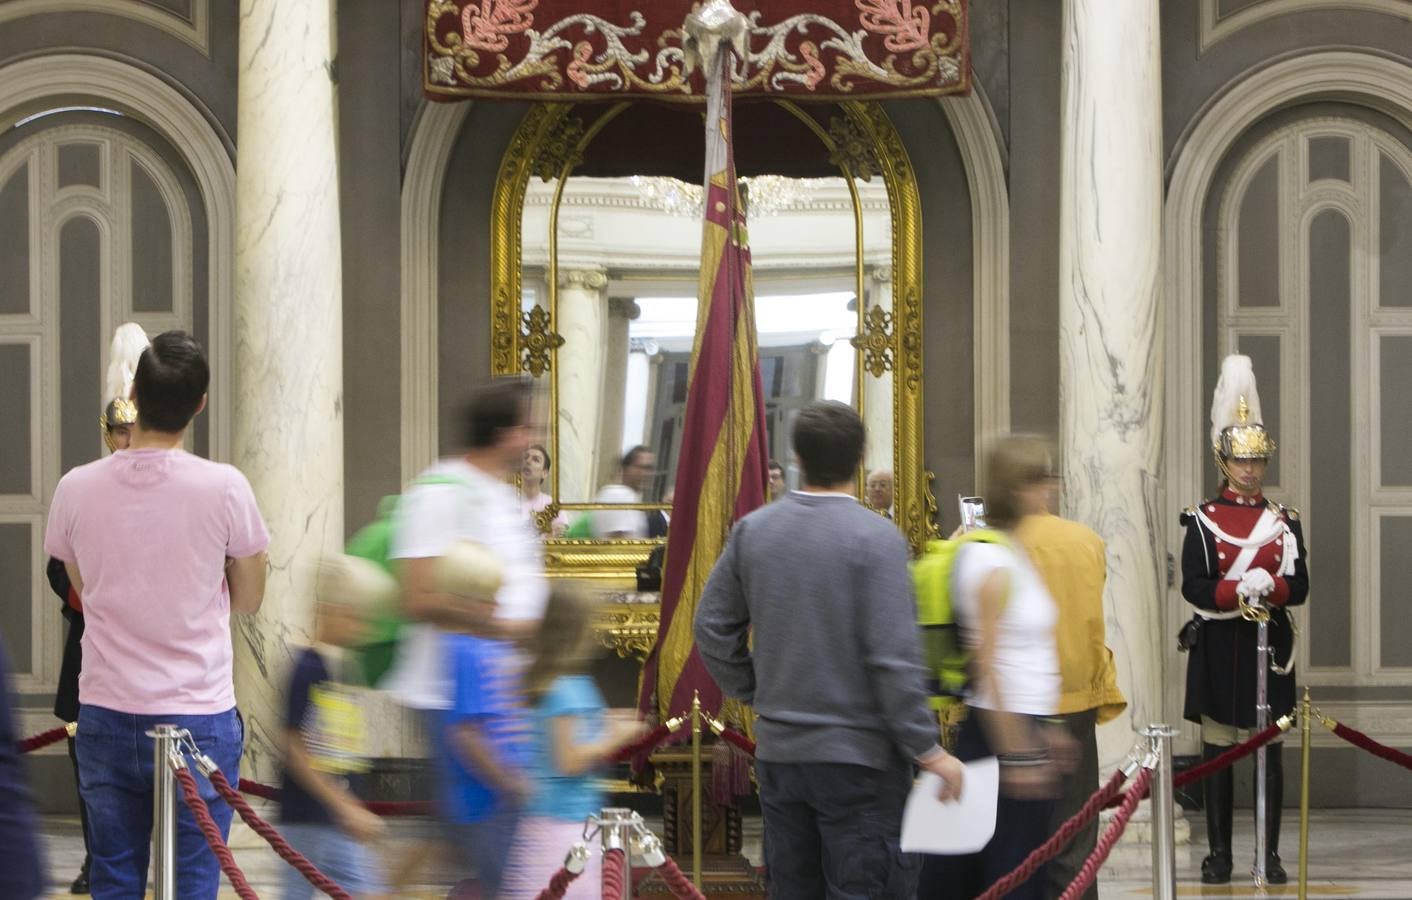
[491, 408]
[171, 380]
[542, 452]
[632, 454]
[828, 439]
[774, 467]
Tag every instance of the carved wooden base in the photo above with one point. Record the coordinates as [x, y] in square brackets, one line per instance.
[724, 870]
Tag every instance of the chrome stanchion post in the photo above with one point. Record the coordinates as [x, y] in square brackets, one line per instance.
[1262, 721]
[164, 813]
[1164, 837]
[615, 825]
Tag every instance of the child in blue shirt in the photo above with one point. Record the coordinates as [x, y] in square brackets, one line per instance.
[573, 735]
[484, 753]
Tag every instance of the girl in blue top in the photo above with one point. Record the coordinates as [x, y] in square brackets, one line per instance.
[573, 734]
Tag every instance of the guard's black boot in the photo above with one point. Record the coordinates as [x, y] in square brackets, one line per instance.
[1220, 788]
[80, 885]
[1274, 805]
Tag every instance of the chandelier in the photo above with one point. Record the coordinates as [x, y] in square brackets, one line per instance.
[764, 195]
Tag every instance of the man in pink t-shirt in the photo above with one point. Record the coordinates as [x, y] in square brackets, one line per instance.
[162, 546]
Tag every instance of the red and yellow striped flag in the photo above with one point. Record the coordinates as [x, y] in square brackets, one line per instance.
[722, 470]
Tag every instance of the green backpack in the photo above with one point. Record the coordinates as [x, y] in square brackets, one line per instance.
[947, 661]
[373, 542]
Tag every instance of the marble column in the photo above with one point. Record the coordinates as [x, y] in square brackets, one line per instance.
[621, 312]
[288, 359]
[877, 391]
[1109, 317]
[581, 320]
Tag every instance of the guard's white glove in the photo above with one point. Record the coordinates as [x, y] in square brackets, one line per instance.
[1256, 584]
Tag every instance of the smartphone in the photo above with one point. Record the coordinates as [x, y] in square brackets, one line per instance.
[972, 512]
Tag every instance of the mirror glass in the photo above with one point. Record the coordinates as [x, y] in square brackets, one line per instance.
[627, 267]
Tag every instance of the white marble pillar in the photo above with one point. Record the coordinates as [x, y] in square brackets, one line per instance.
[581, 320]
[1109, 319]
[288, 360]
[877, 391]
[621, 312]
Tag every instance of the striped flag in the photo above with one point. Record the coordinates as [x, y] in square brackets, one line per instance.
[722, 470]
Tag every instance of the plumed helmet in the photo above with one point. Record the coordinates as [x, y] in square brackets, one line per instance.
[1237, 427]
[118, 409]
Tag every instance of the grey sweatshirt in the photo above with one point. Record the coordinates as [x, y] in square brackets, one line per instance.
[808, 615]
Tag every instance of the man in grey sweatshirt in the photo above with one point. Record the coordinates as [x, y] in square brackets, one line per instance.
[808, 616]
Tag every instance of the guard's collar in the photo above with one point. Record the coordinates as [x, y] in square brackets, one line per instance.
[1238, 499]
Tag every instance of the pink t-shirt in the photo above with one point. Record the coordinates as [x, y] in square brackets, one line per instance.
[150, 531]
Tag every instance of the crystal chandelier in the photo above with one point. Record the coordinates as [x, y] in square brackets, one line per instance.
[764, 195]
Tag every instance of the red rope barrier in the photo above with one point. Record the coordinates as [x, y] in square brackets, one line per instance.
[558, 885]
[677, 882]
[276, 840]
[212, 832]
[256, 789]
[43, 739]
[739, 740]
[1061, 838]
[615, 864]
[1227, 758]
[649, 742]
[1089, 871]
[1363, 742]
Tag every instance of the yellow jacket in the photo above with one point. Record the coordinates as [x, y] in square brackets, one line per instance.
[1070, 559]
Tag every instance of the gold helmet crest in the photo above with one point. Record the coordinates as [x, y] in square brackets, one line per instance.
[128, 343]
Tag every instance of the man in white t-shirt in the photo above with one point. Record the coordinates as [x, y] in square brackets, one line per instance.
[467, 497]
[638, 465]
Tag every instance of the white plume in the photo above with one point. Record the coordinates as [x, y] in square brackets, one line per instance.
[128, 343]
[1237, 380]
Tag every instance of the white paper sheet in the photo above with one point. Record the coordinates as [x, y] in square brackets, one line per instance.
[962, 826]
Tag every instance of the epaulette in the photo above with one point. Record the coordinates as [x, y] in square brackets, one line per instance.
[1187, 515]
[1289, 512]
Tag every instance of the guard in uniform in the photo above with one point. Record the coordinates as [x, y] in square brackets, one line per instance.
[116, 422]
[1242, 553]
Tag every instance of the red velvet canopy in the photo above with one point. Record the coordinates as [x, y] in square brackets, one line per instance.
[617, 49]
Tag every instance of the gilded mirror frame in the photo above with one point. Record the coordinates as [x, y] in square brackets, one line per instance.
[864, 144]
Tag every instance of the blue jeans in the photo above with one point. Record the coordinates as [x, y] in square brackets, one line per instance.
[115, 771]
[352, 866]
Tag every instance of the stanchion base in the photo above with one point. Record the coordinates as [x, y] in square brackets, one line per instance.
[721, 875]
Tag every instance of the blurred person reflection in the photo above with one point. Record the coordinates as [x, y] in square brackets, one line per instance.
[637, 467]
[533, 473]
[777, 482]
[879, 491]
[1007, 621]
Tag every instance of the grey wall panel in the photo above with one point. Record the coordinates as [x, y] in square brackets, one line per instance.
[1395, 416]
[80, 345]
[80, 163]
[1395, 603]
[14, 243]
[1331, 454]
[151, 245]
[16, 608]
[1394, 236]
[463, 345]
[948, 313]
[1191, 80]
[1036, 27]
[1328, 158]
[1258, 239]
[208, 80]
[16, 387]
[370, 204]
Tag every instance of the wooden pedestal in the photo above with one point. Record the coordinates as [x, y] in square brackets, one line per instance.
[724, 870]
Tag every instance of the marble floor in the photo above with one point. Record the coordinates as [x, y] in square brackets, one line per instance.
[1355, 855]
